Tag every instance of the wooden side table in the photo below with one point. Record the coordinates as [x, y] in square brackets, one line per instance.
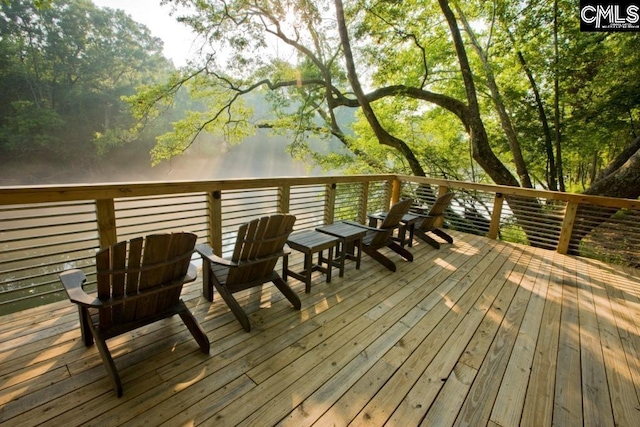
[310, 242]
[350, 238]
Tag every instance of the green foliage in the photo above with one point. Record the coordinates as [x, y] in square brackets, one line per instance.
[64, 67]
[29, 129]
[81, 81]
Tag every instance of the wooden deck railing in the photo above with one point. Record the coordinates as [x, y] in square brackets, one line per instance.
[47, 229]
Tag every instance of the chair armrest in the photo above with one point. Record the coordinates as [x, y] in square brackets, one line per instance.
[206, 252]
[72, 280]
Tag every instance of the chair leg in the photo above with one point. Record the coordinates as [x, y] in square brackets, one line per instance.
[442, 234]
[194, 327]
[401, 251]
[422, 235]
[109, 365]
[235, 307]
[85, 330]
[287, 292]
[379, 257]
[207, 280]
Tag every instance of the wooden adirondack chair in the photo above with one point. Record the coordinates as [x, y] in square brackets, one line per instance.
[382, 236]
[259, 245]
[432, 221]
[139, 282]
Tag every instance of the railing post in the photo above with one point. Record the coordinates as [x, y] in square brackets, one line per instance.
[214, 202]
[364, 203]
[284, 198]
[329, 203]
[106, 217]
[494, 227]
[567, 227]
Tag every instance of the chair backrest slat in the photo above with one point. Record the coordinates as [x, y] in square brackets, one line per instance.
[103, 262]
[133, 277]
[436, 211]
[257, 239]
[128, 268]
[390, 222]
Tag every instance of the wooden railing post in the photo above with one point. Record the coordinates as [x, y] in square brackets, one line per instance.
[364, 203]
[329, 203]
[494, 227]
[106, 217]
[214, 202]
[567, 227]
[284, 198]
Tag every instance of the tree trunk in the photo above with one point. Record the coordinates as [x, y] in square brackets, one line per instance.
[496, 97]
[556, 101]
[546, 130]
[383, 136]
[481, 150]
[623, 182]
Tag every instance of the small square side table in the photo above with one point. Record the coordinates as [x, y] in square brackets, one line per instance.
[350, 238]
[310, 242]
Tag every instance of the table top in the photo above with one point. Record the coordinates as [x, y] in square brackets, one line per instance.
[311, 239]
[343, 230]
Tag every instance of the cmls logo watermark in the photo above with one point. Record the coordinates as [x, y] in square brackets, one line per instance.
[609, 16]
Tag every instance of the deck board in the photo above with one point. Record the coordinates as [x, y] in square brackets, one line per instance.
[480, 332]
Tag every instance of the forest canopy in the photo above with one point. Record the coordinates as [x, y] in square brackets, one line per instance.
[65, 67]
[492, 91]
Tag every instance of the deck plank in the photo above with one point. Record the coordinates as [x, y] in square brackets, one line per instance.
[567, 408]
[479, 332]
[538, 403]
[507, 410]
[624, 399]
[595, 394]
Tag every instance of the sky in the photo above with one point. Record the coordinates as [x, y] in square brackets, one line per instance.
[177, 38]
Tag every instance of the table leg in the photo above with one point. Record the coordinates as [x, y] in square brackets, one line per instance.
[342, 254]
[308, 264]
[329, 264]
[285, 267]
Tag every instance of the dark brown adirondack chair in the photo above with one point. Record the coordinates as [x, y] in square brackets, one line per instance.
[382, 236]
[259, 245]
[139, 282]
[432, 221]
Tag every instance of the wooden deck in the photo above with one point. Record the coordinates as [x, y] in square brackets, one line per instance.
[477, 333]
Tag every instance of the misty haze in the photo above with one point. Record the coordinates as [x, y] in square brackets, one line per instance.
[258, 156]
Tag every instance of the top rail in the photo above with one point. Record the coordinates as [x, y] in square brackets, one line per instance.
[49, 228]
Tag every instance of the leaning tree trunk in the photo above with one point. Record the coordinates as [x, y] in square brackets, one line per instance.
[522, 207]
[552, 179]
[622, 181]
[383, 136]
[496, 96]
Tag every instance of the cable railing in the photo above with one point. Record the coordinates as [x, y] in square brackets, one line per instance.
[48, 229]
[603, 228]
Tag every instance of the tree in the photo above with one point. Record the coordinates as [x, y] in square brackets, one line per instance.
[65, 67]
[404, 83]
